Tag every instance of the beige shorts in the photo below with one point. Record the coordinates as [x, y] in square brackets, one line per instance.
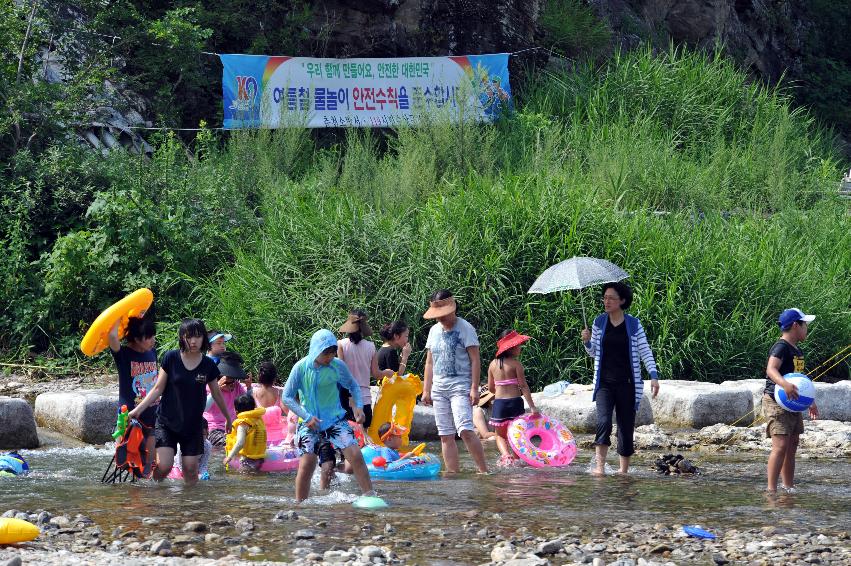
[780, 421]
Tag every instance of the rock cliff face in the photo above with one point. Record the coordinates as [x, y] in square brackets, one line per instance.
[767, 37]
[364, 28]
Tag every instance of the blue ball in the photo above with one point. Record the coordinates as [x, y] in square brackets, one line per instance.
[806, 393]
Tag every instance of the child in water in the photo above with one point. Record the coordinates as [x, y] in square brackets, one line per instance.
[247, 438]
[184, 375]
[783, 427]
[314, 379]
[391, 435]
[218, 344]
[13, 464]
[507, 380]
[136, 362]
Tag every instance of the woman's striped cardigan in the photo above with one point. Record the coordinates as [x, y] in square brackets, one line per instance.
[639, 349]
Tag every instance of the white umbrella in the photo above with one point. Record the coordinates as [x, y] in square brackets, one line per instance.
[577, 273]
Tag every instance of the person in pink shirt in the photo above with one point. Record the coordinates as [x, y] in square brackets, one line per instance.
[230, 366]
[359, 355]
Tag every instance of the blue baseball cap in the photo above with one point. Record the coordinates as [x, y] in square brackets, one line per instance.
[216, 335]
[789, 316]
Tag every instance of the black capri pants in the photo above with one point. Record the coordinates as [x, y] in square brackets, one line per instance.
[620, 398]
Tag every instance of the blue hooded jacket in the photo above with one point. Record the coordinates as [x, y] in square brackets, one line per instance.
[316, 385]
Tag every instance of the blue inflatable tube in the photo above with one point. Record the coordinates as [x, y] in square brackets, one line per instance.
[422, 467]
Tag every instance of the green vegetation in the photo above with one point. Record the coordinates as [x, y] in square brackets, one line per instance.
[717, 197]
[574, 29]
[825, 84]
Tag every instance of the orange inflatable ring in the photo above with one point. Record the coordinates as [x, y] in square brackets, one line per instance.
[134, 304]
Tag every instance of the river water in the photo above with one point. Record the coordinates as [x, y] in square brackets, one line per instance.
[433, 515]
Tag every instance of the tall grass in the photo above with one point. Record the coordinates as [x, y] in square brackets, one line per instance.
[751, 225]
[680, 129]
[715, 195]
[708, 288]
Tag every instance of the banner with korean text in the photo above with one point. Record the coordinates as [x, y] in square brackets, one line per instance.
[274, 92]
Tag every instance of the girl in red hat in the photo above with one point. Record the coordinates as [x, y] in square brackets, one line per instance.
[507, 380]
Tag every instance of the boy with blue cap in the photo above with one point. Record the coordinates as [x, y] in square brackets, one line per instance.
[218, 344]
[784, 427]
[314, 379]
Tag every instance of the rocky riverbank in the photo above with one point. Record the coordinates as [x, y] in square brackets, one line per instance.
[79, 540]
[821, 439]
[32, 384]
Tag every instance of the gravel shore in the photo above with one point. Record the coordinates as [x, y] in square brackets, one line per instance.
[79, 540]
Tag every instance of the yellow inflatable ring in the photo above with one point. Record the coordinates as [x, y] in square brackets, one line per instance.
[15, 530]
[396, 400]
[134, 304]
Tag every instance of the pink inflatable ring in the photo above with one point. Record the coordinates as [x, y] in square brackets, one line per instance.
[557, 446]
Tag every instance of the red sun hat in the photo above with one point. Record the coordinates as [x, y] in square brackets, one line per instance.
[509, 341]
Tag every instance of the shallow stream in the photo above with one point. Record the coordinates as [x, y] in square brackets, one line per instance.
[434, 515]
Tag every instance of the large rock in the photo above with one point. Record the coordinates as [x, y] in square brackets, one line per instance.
[575, 409]
[833, 399]
[820, 439]
[695, 405]
[754, 387]
[423, 426]
[17, 425]
[86, 414]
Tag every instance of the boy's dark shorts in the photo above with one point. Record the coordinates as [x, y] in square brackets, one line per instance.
[191, 444]
[327, 453]
[779, 420]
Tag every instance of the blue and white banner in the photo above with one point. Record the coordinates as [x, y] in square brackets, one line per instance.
[274, 92]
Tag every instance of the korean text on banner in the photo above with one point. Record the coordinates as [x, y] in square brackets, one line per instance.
[274, 92]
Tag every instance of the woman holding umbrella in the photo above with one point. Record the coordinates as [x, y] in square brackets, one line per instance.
[618, 344]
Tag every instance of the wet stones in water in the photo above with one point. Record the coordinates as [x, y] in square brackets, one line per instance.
[161, 547]
[549, 547]
[285, 516]
[223, 521]
[195, 527]
[674, 464]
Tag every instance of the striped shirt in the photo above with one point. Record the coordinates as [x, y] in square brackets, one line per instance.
[639, 351]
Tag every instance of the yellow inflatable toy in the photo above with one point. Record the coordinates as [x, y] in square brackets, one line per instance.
[396, 399]
[134, 304]
[15, 530]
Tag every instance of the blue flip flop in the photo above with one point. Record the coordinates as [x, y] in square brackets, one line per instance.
[695, 531]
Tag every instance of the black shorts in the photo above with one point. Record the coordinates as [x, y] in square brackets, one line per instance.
[149, 418]
[327, 453]
[367, 415]
[191, 443]
[506, 410]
